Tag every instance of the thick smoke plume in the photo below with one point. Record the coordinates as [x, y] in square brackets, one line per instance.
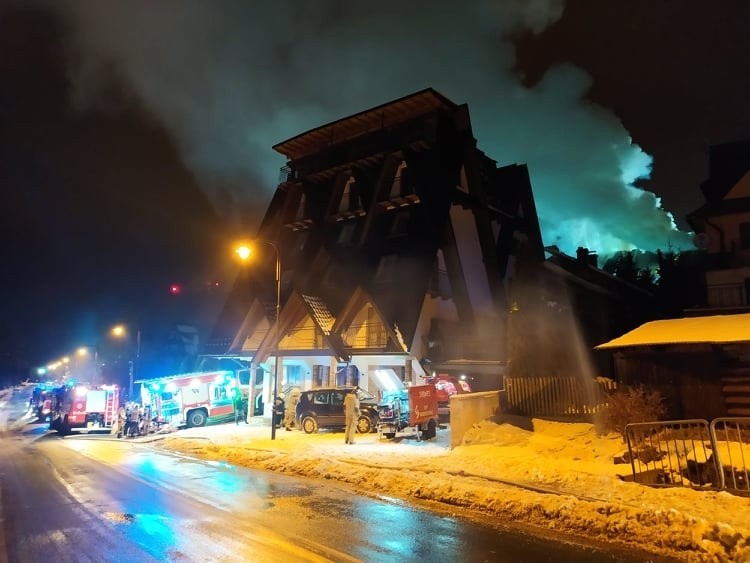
[230, 79]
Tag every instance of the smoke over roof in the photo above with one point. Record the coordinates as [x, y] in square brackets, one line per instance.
[231, 79]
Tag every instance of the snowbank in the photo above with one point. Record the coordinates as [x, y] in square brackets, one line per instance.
[563, 476]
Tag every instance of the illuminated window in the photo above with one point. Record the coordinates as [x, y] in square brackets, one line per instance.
[293, 375]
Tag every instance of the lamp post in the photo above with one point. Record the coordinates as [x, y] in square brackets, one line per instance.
[244, 251]
[119, 331]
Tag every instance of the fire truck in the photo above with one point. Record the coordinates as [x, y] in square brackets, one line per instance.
[42, 400]
[447, 385]
[414, 407]
[85, 408]
[191, 399]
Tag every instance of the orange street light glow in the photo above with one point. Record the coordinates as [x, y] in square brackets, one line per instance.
[243, 251]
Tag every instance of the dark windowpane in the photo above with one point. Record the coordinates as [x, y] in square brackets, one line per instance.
[745, 235]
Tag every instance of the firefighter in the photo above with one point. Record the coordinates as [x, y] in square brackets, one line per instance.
[291, 408]
[131, 420]
[240, 409]
[351, 414]
[145, 420]
[278, 410]
[121, 421]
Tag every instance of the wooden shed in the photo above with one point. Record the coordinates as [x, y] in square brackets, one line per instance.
[700, 364]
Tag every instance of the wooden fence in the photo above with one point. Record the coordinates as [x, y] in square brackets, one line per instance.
[573, 397]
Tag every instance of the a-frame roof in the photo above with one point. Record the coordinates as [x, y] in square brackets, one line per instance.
[255, 314]
[396, 111]
[359, 299]
[296, 308]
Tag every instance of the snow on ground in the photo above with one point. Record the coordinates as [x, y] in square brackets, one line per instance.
[568, 480]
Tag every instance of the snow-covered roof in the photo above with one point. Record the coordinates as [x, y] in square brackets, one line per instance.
[716, 329]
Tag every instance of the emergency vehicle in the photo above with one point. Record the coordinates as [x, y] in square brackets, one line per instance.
[42, 400]
[84, 407]
[414, 408]
[446, 386]
[191, 399]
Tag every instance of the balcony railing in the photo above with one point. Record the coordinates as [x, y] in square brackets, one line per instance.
[287, 174]
[365, 335]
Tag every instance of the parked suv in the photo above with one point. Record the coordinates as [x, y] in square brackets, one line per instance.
[324, 408]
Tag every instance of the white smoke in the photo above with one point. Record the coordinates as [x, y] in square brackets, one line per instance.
[230, 79]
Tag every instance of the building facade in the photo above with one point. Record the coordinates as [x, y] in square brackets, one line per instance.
[397, 242]
[722, 227]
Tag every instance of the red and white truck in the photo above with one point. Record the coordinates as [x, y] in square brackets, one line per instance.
[191, 399]
[86, 408]
[414, 408]
[447, 386]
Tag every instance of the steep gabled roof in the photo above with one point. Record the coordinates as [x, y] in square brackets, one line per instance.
[320, 313]
[255, 314]
[359, 299]
[726, 189]
[296, 309]
[347, 128]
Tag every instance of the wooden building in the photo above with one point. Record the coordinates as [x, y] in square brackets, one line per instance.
[397, 239]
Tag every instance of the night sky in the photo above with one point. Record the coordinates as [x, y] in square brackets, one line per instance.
[135, 137]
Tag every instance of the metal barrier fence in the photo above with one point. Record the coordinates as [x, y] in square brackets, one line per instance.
[672, 453]
[732, 442]
[691, 453]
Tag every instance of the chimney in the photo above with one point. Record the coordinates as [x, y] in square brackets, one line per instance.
[585, 257]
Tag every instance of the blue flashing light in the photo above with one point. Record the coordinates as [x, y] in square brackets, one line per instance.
[41, 371]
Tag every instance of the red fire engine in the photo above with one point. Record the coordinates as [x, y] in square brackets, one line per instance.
[447, 385]
[84, 407]
[191, 399]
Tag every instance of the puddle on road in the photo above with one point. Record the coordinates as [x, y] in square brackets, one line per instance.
[331, 507]
[276, 491]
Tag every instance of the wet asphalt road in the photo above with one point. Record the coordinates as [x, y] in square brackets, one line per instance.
[88, 498]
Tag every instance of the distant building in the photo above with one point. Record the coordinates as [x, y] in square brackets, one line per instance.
[722, 227]
[602, 305]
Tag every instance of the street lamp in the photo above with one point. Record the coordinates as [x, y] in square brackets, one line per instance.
[244, 251]
[119, 331]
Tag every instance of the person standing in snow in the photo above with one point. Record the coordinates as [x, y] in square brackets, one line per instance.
[351, 413]
[118, 428]
[240, 409]
[278, 410]
[131, 420]
[291, 408]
